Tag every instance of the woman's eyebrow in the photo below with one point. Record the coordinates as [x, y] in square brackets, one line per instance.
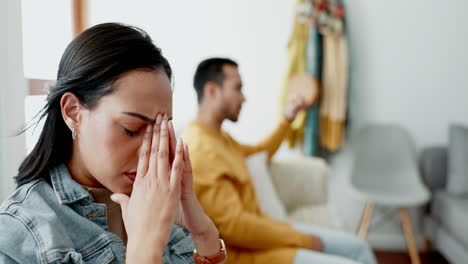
[142, 117]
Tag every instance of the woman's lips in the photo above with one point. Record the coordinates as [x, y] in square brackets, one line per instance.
[131, 175]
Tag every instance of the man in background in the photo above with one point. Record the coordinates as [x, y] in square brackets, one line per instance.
[225, 189]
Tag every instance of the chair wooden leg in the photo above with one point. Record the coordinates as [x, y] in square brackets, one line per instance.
[366, 218]
[427, 245]
[410, 242]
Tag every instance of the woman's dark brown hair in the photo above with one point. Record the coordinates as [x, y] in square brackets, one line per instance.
[89, 67]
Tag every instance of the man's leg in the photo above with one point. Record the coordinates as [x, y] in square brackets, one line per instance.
[340, 243]
[305, 256]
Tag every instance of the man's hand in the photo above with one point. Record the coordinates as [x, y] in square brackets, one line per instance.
[317, 244]
[295, 105]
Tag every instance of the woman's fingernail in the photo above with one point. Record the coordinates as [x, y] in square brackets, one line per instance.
[158, 119]
[148, 128]
[115, 198]
[164, 124]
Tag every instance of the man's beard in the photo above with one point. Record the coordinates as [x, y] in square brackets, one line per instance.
[231, 116]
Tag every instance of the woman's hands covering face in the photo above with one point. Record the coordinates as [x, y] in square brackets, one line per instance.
[162, 195]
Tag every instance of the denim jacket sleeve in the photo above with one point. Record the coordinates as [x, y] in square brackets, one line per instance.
[180, 247]
[4, 259]
[58, 223]
[17, 243]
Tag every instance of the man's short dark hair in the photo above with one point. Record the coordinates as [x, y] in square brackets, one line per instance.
[210, 70]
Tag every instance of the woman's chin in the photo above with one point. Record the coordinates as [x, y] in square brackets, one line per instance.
[125, 188]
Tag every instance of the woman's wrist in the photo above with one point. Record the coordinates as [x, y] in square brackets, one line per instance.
[207, 242]
[140, 254]
[138, 259]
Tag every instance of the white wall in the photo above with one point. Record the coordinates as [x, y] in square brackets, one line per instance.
[255, 33]
[12, 94]
[409, 58]
[409, 64]
[3, 75]
[47, 30]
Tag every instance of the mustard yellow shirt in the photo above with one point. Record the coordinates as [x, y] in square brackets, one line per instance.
[224, 187]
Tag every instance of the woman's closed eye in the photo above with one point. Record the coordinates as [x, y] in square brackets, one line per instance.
[131, 133]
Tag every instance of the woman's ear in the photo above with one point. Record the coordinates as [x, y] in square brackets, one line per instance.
[71, 110]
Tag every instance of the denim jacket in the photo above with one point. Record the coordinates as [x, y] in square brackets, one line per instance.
[59, 223]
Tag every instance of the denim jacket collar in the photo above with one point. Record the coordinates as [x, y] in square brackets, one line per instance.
[66, 189]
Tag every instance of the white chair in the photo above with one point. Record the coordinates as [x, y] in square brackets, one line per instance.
[385, 172]
[293, 190]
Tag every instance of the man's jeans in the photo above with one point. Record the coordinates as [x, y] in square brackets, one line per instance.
[339, 247]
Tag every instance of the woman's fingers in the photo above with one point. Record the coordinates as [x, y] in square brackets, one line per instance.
[153, 163]
[163, 155]
[144, 153]
[187, 174]
[177, 167]
[122, 200]
[188, 164]
[155, 199]
[172, 142]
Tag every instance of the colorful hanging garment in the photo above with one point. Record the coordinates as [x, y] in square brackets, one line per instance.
[297, 64]
[318, 47]
[334, 83]
[314, 68]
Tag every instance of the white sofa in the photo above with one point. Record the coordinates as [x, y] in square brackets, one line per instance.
[445, 171]
[293, 190]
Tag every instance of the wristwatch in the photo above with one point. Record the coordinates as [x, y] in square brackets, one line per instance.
[215, 259]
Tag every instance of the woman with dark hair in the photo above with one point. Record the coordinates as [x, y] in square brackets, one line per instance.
[107, 180]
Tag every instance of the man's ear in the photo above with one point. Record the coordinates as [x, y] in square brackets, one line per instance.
[211, 90]
[71, 110]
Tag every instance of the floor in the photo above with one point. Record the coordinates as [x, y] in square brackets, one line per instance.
[385, 257]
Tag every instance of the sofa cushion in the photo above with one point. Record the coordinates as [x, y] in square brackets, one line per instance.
[267, 196]
[451, 211]
[433, 165]
[314, 214]
[458, 160]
